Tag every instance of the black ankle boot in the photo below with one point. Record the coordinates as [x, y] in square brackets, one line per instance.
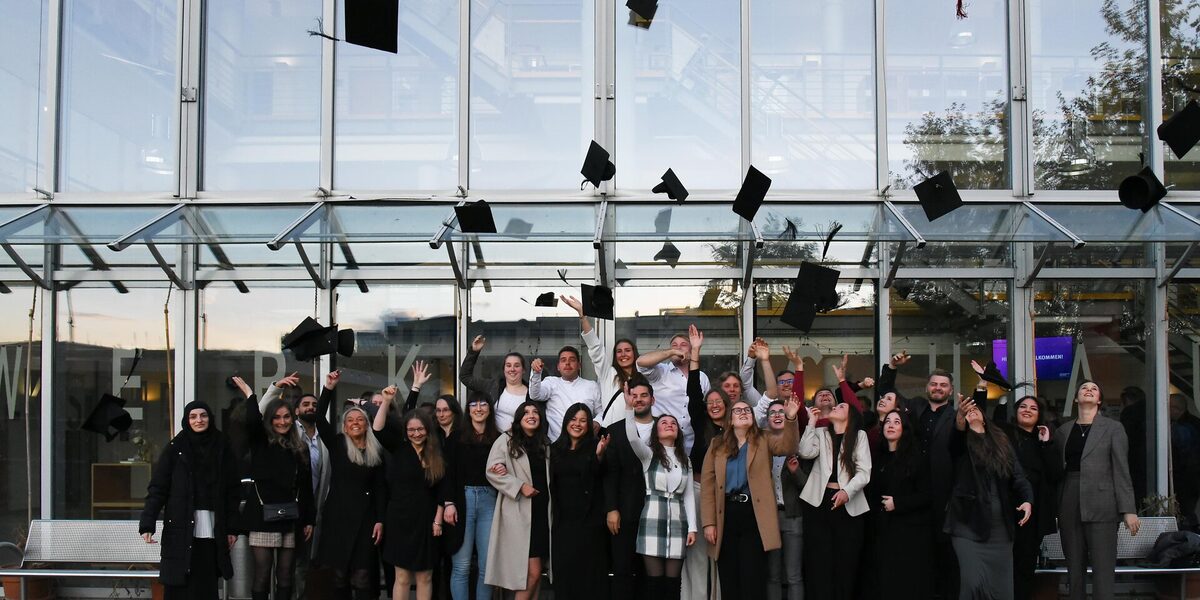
[671, 588]
[282, 593]
[652, 588]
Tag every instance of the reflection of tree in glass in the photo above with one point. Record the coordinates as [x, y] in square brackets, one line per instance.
[969, 145]
[975, 310]
[1180, 26]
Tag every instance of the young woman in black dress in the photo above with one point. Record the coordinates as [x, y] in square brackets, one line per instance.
[899, 494]
[577, 540]
[418, 487]
[354, 509]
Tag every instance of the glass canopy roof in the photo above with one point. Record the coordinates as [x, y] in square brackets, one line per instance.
[1116, 224]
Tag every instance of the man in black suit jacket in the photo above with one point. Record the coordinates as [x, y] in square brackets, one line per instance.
[625, 490]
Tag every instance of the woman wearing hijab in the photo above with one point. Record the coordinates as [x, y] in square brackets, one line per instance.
[281, 506]
[195, 482]
[352, 516]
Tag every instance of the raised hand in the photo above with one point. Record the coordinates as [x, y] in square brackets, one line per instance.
[752, 351]
[899, 359]
[792, 407]
[573, 302]
[814, 414]
[389, 394]
[292, 380]
[420, 373]
[536, 365]
[867, 383]
[764, 349]
[241, 385]
[978, 368]
[477, 343]
[695, 336]
[840, 369]
[793, 358]
[331, 380]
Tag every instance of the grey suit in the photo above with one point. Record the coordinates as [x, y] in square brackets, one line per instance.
[1091, 503]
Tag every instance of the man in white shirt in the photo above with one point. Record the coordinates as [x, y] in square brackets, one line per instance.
[559, 393]
[667, 371]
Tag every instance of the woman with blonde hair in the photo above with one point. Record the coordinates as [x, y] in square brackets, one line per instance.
[418, 488]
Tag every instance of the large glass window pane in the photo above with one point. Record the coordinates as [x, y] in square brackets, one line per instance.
[262, 95]
[119, 96]
[1101, 330]
[100, 335]
[242, 334]
[21, 50]
[1087, 91]
[1180, 79]
[395, 325]
[531, 93]
[396, 115]
[947, 93]
[679, 96]
[20, 411]
[847, 331]
[812, 93]
[1183, 350]
[947, 323]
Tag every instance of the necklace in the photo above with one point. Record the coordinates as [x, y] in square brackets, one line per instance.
[1085, 428]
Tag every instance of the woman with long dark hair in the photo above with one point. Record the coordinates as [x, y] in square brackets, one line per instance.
[577, 540]
[279, 468]
[612, 372]
[448, 415]
[354, 509]
[474, 497]
[418, 485]
[834, 502]
[506, 392]
[899, 495]
[195, 482]
[740, 521]
[1030, 437]
[1097, 493]
[989, 485]
[519, 545]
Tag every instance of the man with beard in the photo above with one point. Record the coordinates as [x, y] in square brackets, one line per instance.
[934, 417]
[318, 460]
[625, 486]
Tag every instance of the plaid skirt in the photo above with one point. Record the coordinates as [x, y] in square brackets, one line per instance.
[272, 539]
[662, 528]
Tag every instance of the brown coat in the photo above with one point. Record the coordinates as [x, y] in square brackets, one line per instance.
[762, 487]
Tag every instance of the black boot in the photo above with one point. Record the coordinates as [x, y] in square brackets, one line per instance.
[652, 588]
[282, 593]
[671, 588]
[366, 594]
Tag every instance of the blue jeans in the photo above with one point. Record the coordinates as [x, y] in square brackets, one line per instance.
[476, 520]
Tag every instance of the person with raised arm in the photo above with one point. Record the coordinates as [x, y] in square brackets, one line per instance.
[353, 512]
[745, 376]
[741, 523]
[611, 372]
[625, 490]
[667, 371]
[1096, 495]
[577, 540]
[707, 412]
[418, 481]
[1031, 439]
[559, 393]
[506, 392]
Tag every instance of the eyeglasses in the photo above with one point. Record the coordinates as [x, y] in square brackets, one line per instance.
[785, 381]
[416, 430]
[743, 410]
[776, 413]
[476, 404]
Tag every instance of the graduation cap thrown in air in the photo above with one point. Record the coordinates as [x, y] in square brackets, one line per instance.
[1141, 191]
[476, 217]
[815, 290]
[991, 374]
[1182, 131]
[546, 299]
[597, 301]
[596, 165]
[752, 193]
[668, 253]
[641, 12]
[109, 418]
[671, 186]
[310, 340]
[373, 24]
[938, 196]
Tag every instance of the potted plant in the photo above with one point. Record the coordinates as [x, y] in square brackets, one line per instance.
[36, 588]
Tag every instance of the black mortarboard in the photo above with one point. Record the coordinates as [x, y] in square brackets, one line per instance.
[938, 196]
[641, 12]
[672, 186]
[310, 340]
[668, 253]
[596, 166]
[992, 374]
[373, 23]
[597, 301]
[546, 299]
[662, 221]
[752, 193]
[518, 227]
[109, 418]
[798, 315]
[1182, 131]
[1141, 191]
[815, 290]
[476, 217]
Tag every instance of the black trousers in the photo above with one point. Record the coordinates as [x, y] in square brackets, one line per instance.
[1027, 543]
[945, 561]
[743, 562]
[626, 564]
[202, 577]
[833, 542]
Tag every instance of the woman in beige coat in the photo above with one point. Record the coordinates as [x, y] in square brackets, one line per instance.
[520, 540]
[736, 488]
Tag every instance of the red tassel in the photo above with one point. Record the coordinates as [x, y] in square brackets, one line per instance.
[959, 12]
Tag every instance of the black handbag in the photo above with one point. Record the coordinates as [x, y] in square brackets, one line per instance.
[278, 511]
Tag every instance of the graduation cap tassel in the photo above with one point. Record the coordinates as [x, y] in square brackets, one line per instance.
[959, 11]
[28, 393]
[320, 31]
[167, 332]
[137, 358]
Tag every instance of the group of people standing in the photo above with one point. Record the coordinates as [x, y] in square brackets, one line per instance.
[647, 483]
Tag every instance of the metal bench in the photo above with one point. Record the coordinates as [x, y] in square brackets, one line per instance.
[1129, 548]
[88, 544]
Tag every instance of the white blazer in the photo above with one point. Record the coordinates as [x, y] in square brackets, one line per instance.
[817, 443]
